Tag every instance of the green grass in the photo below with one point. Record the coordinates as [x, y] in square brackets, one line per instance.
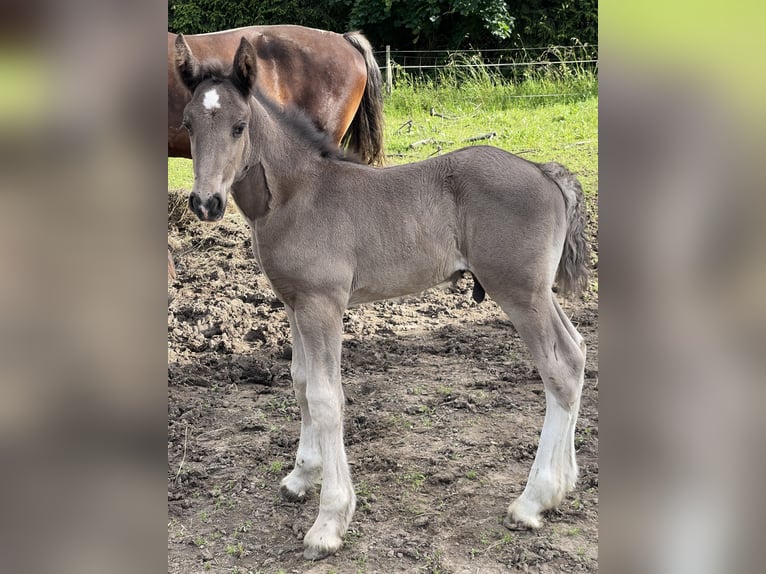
[415, 480]
[237, 550]
[425, 116]
[180, 174]
[539, 86]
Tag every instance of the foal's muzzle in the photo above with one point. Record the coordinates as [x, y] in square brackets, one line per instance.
[209, 209]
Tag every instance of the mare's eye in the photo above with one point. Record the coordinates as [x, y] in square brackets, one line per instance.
[186, 125]
[238, 129]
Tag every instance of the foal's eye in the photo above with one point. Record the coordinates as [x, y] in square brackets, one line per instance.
[238, 129]
[187, 125]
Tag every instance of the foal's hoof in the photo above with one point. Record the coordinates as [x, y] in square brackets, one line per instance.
[321, 542]
[521, 517]
[513, 524]
[312, 553]
[291, 496]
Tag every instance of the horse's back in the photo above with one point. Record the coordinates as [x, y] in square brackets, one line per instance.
[471, 179]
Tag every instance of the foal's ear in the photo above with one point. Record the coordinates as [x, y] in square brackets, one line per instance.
[245, 67]
[187, 66]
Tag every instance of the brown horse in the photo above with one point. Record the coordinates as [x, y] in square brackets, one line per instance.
[329, 233]
[332, 77]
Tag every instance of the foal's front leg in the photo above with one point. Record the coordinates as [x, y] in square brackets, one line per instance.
[319, 323]
[297, 485]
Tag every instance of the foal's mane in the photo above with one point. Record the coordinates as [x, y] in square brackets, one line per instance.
[291, 117]
[295, 119]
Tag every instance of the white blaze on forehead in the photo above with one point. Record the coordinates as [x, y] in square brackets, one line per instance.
[211, 100]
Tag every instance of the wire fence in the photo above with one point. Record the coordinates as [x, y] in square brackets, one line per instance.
[414, 58]
[512, 64]
[491, 65]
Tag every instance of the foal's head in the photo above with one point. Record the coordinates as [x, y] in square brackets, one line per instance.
[217, 118]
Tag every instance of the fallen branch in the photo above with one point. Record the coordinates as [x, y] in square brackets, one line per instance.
[488, 136]
[408, 123]
[432, 141]
[435, 114]
[573, 144]
[419, 143]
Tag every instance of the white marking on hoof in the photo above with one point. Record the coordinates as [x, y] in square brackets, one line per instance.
[212, 100]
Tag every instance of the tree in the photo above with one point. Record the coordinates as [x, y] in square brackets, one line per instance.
[554, 22]
[406, 24]
[430, 24]
[199, 16]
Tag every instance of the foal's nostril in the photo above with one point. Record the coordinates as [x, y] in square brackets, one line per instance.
[216, 204]
[194, 202]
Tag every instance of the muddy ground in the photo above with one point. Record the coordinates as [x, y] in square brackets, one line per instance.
[443, 414]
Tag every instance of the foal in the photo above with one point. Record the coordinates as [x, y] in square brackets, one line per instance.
[330, 233]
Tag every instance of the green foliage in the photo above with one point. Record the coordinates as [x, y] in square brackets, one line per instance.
[551, 23]
[429, 23]
[406, 24]
[199, 16]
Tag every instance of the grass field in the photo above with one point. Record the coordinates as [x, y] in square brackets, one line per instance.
[566, 132]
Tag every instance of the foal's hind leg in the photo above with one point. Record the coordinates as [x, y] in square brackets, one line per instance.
[578, 339]
[305, 476]
[559, 352]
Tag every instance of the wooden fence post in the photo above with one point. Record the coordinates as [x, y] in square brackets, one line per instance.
[389, 85]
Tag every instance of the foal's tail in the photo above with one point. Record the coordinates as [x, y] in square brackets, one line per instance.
[574, 265]
[365, 134]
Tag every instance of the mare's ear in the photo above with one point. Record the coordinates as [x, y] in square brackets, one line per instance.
[187, 66]
[245, 67]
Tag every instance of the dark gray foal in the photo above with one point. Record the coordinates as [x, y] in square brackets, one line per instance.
[330, 233]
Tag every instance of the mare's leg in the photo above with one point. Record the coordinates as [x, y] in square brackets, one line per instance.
[319, 323]
[559, 352]
[305, 475]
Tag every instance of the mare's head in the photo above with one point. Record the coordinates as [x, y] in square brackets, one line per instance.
[217, 118]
